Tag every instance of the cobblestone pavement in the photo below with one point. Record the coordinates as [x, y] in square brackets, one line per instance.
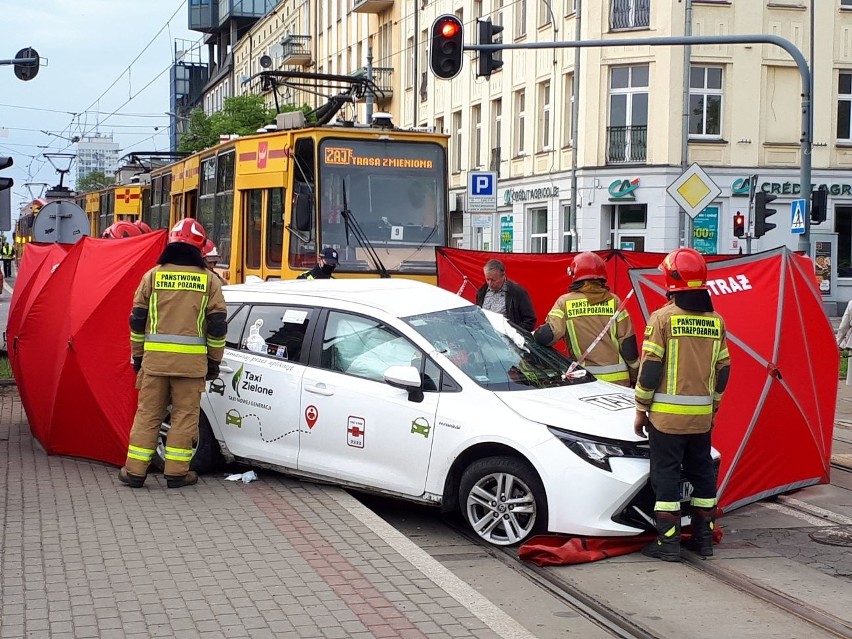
[84, 556]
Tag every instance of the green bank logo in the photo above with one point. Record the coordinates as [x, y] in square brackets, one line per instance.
[235, 382]
[741, 186]
[623, 189]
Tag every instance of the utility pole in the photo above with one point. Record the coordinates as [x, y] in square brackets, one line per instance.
[370, 96]
[575, 109]
[685, 220]
[416, 53]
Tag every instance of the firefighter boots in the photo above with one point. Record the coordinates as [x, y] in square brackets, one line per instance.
[173, 481]
[703, 524]
[667, 544]
[134, 481]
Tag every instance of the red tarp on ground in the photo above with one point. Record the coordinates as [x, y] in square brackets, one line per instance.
[69, 342]
[774, 428]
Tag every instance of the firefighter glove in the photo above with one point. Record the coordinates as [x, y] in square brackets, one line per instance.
[136, 362]
[212, 370]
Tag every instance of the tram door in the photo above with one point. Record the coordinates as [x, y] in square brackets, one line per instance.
[262, 233]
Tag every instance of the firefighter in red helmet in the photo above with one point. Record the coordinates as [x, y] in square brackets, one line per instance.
[142, 226]
[121, 230]
[582, 314]
[177, 337]
[683, 373]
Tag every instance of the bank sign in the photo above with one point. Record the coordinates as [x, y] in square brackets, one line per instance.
[526, 195]
[739, 188]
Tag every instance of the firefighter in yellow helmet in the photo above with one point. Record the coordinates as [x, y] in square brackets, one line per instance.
[177, 336]
[683, 372]
[580, 315]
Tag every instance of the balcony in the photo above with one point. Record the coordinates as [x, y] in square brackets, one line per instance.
[244, 10]
[371, 6]
[203, 15]
[382, 80]
[626, 144]
[629, 14]
[296, 50]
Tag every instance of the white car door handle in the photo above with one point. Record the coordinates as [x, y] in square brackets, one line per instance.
[224, 368]
[319, 389]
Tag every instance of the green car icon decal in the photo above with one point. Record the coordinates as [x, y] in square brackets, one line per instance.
[233, 417]
[421, 427]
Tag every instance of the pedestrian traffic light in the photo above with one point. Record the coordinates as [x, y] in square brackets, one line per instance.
[447, 45]
[739, 225]
[5, 163]
[761, 226]
[489, 61]
[819, 205]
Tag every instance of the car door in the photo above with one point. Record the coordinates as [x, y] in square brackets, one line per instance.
[360, 428]
[255, 400]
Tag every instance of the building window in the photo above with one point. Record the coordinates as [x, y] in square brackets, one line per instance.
[627, 133]
[457, 229]
[846, 4]
[458, 152]
[476, 126]
[844, 106]
[496, 134]
[520, 121]
[520, 18]
[568, 109]
[538, 230]
[705, 101]
[544, 127]
[570, 7]
[543, 13]
[409, 71]
[567, 229]
[498, 19]
[629, 14]
[439, 125]
[477, 9]
[628, 224]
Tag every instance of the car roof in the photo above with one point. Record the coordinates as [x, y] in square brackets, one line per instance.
[396, 296]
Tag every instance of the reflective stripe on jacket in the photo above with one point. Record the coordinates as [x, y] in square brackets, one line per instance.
[692, 348]
[178, 300]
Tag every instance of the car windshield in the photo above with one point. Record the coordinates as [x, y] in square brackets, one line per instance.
[492, 352]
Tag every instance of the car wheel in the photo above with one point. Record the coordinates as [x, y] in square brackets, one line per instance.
[503, 500]
[206, 454]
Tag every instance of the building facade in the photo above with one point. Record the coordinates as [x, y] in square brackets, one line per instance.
[96, 153]
[743, 116]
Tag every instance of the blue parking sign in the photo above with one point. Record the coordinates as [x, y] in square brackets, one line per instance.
[482, 191]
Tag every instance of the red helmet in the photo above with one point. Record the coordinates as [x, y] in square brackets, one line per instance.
[188, 231]
[142, 226]
[209, 252]
[587, 266]
[685, 270]
[120, 230]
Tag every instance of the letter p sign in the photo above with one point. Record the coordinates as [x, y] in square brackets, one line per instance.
[483, 184]
[481, 191]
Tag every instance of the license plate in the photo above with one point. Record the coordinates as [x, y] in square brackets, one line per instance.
[685, 491]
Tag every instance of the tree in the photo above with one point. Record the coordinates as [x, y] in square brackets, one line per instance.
[94, 181]
[242, 114]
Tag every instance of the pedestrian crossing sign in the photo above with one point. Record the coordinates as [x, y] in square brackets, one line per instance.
[798, 208]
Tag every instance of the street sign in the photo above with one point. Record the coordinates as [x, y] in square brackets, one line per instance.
[26, 70]
[693, 190]
[797, 224]
[62, 221]
[481, 192]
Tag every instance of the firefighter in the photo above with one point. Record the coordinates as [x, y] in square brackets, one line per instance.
[121, 230]
[177, 337]
[580, 316]
[211, 258]
[682, 375]
[142, 226]
[325, 267]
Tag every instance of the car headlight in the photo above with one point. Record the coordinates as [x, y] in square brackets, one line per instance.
[598, 451]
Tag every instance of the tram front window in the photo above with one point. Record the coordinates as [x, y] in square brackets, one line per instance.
[395, 191]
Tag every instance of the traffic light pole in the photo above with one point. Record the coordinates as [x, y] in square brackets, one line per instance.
[806, 139]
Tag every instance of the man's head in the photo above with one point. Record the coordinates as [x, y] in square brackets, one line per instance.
[328, 259]
[495, 274]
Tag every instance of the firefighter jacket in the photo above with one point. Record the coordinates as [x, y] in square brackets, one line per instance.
[580, 316]
[7, 252]
[178, 321]
[684, 369]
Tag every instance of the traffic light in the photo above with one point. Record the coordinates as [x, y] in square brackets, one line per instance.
[5, 163]
[739, 225]
[819, 205]
[761, 226]
[489, 61]
[447, 45]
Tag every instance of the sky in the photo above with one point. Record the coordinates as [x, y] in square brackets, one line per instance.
[106, 71]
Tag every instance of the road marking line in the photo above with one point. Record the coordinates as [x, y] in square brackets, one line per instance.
[787, 510]
[824, 514]
[487, 612]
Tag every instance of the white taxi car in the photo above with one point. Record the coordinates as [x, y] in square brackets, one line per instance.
[406, 389]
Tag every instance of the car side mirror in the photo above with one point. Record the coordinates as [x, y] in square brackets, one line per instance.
[407, 378]
[303, 212]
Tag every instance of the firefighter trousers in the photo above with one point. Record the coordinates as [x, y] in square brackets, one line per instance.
[156, 392]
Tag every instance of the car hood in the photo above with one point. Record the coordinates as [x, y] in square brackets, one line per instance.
[598, 409]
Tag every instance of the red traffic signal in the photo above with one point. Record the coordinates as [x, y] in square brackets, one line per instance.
[739, 225]
[447, 46]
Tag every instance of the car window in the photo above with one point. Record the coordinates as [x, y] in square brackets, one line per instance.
[236, 322]
[276, 330]
[364, 347]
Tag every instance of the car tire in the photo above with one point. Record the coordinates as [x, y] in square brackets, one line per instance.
[206, 455]
[500, 519]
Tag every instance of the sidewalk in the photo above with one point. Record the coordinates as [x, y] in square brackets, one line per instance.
[82, 555]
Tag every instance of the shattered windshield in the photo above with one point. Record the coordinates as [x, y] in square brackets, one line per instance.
[491, 351]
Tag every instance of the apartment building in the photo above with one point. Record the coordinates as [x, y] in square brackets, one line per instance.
[96, 153]
[744, 113]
